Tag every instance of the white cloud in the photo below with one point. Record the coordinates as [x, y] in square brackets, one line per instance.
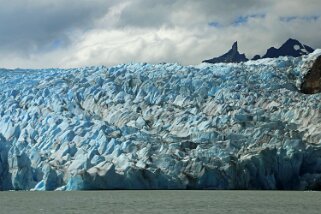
[155, 31]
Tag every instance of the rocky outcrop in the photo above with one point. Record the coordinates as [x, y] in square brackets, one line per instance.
[232, 56]
[312, 80]
[256, 57]
[163, 126]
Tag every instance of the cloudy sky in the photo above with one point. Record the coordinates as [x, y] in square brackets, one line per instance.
[72, 33]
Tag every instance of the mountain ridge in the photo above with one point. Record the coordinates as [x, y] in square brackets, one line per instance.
[291, 47]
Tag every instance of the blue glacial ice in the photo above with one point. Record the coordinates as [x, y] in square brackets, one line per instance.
[161, 126]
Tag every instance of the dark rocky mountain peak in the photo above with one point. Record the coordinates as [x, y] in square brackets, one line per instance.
[291, 47]
[232, 55]
[234, 47]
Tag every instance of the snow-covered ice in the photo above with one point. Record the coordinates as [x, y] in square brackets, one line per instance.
[162, 126]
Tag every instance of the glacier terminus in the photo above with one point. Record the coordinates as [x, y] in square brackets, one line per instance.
[247, 125]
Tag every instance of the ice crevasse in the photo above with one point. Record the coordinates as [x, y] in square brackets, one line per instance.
[249, 125]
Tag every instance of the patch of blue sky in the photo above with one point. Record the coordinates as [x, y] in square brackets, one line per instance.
[52, 45]
[240, 20]
[214, 24]
[304, 18]
[57, 43]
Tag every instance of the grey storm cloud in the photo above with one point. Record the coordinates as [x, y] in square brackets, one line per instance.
[142, 13]
[68, 33]
[31, 25]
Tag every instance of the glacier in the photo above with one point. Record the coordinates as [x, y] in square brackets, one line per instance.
[161, 126]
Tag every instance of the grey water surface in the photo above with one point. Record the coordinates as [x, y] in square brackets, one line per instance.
[141, 202]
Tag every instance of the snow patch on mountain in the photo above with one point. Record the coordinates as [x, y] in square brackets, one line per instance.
[296, 47]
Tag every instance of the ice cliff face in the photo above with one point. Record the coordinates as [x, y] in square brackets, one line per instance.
[164, 126]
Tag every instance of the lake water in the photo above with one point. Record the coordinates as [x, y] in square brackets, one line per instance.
[161, 202]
